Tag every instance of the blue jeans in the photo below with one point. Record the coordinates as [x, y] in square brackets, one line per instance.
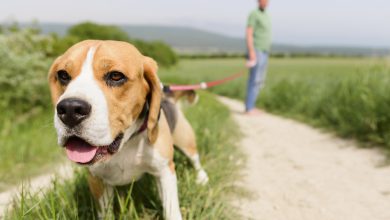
[256, 79]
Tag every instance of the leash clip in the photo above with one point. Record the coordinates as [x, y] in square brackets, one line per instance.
[203, 85]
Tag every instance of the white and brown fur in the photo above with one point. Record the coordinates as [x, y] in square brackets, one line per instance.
[118, 110]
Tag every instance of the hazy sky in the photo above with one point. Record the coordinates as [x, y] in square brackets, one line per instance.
[301, 22]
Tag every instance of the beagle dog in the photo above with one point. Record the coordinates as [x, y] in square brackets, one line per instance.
[112, 117]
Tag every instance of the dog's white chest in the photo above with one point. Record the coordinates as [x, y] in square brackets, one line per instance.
[130, 163]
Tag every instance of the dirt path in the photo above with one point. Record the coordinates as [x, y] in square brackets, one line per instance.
[297, 172]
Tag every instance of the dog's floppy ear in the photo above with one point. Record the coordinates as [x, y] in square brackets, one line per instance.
[155, 94]
[55, 92]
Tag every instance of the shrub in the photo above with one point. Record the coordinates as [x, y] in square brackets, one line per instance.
[89, 30]
[24, 65]
[159, 51]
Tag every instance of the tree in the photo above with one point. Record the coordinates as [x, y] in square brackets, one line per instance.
[159, 51]
[89, 30]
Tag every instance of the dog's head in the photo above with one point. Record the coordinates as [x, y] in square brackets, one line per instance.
[100, 89]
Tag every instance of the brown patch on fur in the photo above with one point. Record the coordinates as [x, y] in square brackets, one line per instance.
[190, 95]
[172, 166]
[125, 102]
[96, 186]
[184, 136]
[164, 141]
[71, 61]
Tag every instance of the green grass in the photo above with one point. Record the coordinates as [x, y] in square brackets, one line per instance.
[216, 135]
[349, 96]
[309, 70]
[27, 148]
[346, 95]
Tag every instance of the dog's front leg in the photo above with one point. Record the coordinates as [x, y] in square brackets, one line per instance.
[167, 186]
[103, 194]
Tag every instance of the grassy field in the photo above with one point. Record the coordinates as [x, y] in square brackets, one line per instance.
[27, 148]
[350, 97]
[347, 95]
[216, 140]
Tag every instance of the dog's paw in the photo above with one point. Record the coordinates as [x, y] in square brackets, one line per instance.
[202, 178]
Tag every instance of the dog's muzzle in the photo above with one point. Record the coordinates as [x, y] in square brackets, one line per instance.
[81, 148]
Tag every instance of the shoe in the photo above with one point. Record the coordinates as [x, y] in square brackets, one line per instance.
[253, 112]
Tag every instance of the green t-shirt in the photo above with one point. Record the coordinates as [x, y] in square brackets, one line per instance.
[260, 21]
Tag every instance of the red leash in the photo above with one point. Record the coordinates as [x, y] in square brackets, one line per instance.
[203, 85]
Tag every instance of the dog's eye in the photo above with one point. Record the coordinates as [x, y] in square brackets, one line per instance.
[115, 78]
[63, 77]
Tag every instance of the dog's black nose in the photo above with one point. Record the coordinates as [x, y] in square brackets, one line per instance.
[73, 111]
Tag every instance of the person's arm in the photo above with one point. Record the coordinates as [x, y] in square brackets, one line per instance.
[250, 45]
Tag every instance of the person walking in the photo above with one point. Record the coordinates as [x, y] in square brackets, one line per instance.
[258, 40]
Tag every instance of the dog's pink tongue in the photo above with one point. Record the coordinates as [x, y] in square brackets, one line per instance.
[80, 151]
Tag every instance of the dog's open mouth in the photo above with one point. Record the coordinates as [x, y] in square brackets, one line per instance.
[80, 151]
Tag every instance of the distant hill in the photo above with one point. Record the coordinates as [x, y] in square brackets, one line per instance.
[188, 40]
[182, 39]
[191, 41]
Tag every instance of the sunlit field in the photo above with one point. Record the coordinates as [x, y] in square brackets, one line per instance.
[349, 96]
[346, 95]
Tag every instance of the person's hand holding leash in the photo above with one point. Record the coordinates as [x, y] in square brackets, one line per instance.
[251, 63]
